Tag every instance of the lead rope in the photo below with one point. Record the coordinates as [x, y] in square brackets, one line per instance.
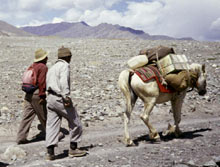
[189, 77]
[160, 69]
[194, 76]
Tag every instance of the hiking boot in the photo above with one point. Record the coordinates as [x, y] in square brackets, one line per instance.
[39, 136]
[50, 157]
[76, 153]
[23, 141]
[50, 153]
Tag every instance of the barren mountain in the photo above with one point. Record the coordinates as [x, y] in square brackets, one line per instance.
[9, 30]
[83, 30]
[48, 29]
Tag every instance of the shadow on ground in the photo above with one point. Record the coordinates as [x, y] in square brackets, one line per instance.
[185, 135]
[41, 136]
[65, 152]
[2, 164]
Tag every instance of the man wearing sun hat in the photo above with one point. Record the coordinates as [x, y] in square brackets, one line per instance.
[35, 103]
[59, 104]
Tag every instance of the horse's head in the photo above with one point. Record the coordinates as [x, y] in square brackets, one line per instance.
[200, 82]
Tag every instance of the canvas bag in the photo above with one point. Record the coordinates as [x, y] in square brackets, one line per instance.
[160, 51]
[29, 80]
[137, 61]
[178, 81]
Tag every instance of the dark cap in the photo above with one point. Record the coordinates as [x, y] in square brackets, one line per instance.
[64, 52]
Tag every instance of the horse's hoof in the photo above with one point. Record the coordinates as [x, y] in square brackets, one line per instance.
[165, 133]
[178, 133]
[157, 140]
[129, 143]
[170, 130]
[154, 136]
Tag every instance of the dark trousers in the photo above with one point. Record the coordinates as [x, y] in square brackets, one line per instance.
[31, 109]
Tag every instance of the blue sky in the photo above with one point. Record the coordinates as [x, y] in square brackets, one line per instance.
[199, 19]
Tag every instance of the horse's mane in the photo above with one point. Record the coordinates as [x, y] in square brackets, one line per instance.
[196, 67]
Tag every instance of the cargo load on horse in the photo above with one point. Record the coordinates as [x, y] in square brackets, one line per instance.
[174, 68]
[156, 53]
[149, 56]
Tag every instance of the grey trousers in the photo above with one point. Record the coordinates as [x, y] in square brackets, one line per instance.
[55, 112]
[31, 109]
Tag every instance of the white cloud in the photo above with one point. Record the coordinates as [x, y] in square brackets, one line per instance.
[23, 15]
[72, 15]
[215, 25]
[57, 20]
[215, 30]
[30, 5]
[34, 23]
[188, 18]
[134, 16]
[80, 4]
[110, 3]
[104, 16]
[196, 18]
[59, 4]
[3, 16]
[142, 15]
[88, 4]
[94, 4]
[91, 17]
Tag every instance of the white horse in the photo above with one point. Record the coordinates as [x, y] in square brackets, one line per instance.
[133, 87]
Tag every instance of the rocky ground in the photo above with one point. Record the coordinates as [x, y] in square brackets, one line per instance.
[95, 67]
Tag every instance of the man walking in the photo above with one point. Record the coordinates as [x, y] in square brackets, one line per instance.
[35, 103]
[59, 105]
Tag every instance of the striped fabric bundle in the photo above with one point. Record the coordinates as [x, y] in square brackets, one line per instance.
[150, 72]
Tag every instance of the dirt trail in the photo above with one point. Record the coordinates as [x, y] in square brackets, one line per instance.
[104, 142]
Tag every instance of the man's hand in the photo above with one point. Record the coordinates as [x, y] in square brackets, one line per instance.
[42, 101]
[67, 101]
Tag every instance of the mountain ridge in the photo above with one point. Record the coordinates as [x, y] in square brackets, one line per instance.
[83, 30]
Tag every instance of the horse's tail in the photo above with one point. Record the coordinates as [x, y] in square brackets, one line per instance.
[124, 84]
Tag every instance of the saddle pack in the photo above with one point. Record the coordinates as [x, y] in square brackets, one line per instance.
[162, 64]
[150, 72]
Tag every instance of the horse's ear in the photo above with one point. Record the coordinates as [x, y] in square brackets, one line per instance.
[203, 68]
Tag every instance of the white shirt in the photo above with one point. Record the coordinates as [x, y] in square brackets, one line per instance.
[58, 78]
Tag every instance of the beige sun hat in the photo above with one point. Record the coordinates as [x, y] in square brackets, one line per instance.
[40, 54]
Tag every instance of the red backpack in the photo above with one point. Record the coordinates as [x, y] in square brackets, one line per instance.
[29, 80]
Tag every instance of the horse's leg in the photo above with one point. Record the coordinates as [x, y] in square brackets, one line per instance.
[148, 107]
[127, 115]
[176, 108]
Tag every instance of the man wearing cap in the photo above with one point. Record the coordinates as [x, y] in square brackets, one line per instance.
[59, 104]
[35, 103]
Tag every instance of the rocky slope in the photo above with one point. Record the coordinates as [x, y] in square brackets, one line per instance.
[10, 30]
[95, 67]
